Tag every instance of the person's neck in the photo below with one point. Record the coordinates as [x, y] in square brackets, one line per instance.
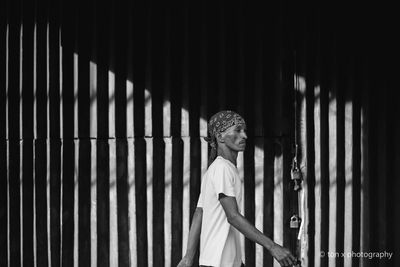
[228, 154]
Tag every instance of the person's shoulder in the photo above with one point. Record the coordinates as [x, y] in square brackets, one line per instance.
[218, 162]
[221, 163]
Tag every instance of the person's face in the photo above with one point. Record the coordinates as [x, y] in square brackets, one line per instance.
[235, 137]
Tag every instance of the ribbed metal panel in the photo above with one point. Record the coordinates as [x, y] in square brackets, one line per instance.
[104, 107]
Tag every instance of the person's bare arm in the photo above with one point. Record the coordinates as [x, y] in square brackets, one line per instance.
[282, 255]
[193, 239]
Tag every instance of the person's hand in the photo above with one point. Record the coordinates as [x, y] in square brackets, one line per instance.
[282, 255]
[185, 262]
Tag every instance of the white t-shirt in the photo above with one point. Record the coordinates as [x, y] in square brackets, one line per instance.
[219, 241]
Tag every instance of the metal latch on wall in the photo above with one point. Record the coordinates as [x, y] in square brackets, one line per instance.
[295, 221]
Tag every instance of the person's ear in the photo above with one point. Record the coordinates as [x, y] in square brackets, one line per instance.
[220, 138]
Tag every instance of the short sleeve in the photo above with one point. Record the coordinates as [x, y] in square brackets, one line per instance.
[224, 181]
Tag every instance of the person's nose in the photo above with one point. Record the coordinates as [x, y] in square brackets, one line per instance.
[244, 134]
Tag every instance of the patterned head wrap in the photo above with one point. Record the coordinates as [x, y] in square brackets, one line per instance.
[218, 123]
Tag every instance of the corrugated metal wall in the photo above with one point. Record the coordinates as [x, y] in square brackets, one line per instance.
[104, 106]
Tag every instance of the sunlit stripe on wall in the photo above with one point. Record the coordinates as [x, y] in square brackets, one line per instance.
[113, 205]
[149, 183]
[259, 193]
[168, 201]
[61, 196]
[278, 202]
[48, 211]
[148, 130]
[35, 81]
[34, 148]
[167, 174]
[47, 89]
[132, 203]
[129, 110]
[21, 198]
[76, 93]
[204, 156]
[7, 74]
[185, 114]
[20, 100]
[332, 177]
[48, 157]
[203, 127]
[76, 203]
[93, 99]
[167, 118]
[7, 145]
[148, 119]
[111, 103]
[8, 205]
[60, 72]
[203, 113]
[317, 189]
[35, 209]
[186, 160]
[167, 101]
[93, 205]
[348, 191]
[186, 192]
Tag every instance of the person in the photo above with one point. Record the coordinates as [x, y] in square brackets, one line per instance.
[217, 220]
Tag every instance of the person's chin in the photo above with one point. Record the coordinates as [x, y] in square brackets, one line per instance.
[242, 147]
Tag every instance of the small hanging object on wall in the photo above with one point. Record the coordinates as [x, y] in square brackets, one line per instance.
[295, 172]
